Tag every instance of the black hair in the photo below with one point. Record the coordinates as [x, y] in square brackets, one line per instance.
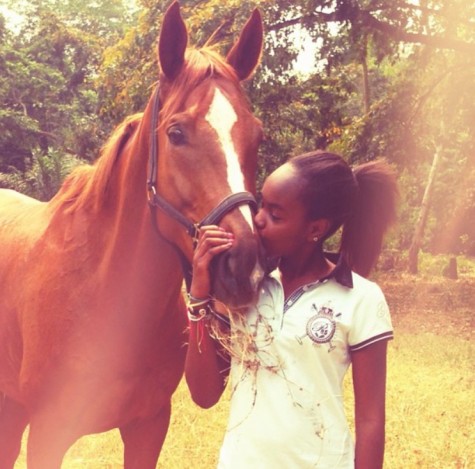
[362, 200]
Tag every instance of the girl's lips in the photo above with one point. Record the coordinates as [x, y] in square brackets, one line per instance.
[263, 240]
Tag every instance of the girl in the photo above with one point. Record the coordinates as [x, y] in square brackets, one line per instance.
[316, 314]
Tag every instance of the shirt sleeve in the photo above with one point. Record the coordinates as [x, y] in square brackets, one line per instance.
[371, 320]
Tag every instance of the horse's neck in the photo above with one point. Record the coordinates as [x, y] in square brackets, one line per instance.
[114, 229]
[127, 210]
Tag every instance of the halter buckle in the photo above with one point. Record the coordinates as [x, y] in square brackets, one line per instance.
[151, 193]
[194, 233]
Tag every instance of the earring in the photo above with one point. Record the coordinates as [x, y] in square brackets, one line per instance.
[315, 239]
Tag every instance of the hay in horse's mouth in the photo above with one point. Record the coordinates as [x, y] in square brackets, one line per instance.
[239, 340]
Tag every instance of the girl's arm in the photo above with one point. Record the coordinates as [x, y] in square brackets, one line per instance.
[207, 364]
[369, 383]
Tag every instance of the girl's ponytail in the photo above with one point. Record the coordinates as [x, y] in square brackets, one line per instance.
[374, 211]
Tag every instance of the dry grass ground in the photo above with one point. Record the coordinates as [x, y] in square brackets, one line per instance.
[431, 382]
[430, 399]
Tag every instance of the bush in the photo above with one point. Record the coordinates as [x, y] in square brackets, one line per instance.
[45, 176]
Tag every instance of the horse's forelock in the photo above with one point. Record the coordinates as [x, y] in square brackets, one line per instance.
[200, 65]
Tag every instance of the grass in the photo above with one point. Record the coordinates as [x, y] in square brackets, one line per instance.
[430, 403]
[431, 266]
[430, 395]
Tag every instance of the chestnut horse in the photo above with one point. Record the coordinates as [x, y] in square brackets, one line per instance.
[92, 319]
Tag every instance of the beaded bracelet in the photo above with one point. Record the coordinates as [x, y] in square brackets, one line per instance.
[197, 308]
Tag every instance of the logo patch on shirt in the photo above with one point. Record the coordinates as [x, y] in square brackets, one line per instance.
[321, 327]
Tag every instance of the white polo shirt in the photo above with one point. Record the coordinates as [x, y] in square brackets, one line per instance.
[286, 406]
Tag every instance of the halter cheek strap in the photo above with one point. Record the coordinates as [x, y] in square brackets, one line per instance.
[155, 200]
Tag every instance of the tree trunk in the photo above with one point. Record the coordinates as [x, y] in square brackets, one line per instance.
[425, 205]
[366, 95]
[366, 89]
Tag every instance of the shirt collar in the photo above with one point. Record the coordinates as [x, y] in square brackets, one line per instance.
[341, 273]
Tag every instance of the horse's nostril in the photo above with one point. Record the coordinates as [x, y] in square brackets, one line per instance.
[238, 273]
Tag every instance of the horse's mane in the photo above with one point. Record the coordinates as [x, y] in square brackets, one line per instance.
[87, 185]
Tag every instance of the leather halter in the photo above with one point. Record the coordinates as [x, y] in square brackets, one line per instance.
[156, 200]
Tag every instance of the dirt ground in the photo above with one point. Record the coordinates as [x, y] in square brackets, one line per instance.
[439, 305]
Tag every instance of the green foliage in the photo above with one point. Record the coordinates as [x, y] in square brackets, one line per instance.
[17, 133]
[47, 96]
[128, 70]
[299, 125]
[44, 176]
[432, 266]
[390, 80]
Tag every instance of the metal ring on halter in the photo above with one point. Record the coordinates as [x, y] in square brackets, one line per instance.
[195, 234]
[151, 193]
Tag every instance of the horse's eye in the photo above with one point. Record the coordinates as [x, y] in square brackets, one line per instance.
[176, 135]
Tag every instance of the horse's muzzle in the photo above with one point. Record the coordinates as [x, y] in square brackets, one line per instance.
[237, 274]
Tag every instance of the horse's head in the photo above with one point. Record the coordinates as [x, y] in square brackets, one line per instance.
[207, 147]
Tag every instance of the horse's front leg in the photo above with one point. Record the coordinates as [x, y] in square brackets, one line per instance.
[50, 437]
[143, 439]
[13, 421]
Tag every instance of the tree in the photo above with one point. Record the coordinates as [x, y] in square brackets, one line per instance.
[48, 102]
[381, 72]
[386, 74]
[424, 212]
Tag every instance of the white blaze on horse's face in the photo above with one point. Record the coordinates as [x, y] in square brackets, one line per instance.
[222, 117]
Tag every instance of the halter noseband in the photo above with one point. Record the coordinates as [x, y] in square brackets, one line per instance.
[156, 200]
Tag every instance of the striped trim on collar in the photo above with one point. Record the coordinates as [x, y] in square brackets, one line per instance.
[341, 273]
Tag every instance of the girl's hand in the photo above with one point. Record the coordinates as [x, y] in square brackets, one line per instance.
[213, 240]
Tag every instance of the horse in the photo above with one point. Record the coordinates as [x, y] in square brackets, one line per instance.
[93, 325]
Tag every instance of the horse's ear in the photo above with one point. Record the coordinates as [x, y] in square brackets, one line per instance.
[246, 52]
[172, 42]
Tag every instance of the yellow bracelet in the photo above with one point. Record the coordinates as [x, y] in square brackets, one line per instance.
[198, 303]
[192, 299]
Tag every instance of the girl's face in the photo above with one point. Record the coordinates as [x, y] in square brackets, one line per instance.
[281, 220]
